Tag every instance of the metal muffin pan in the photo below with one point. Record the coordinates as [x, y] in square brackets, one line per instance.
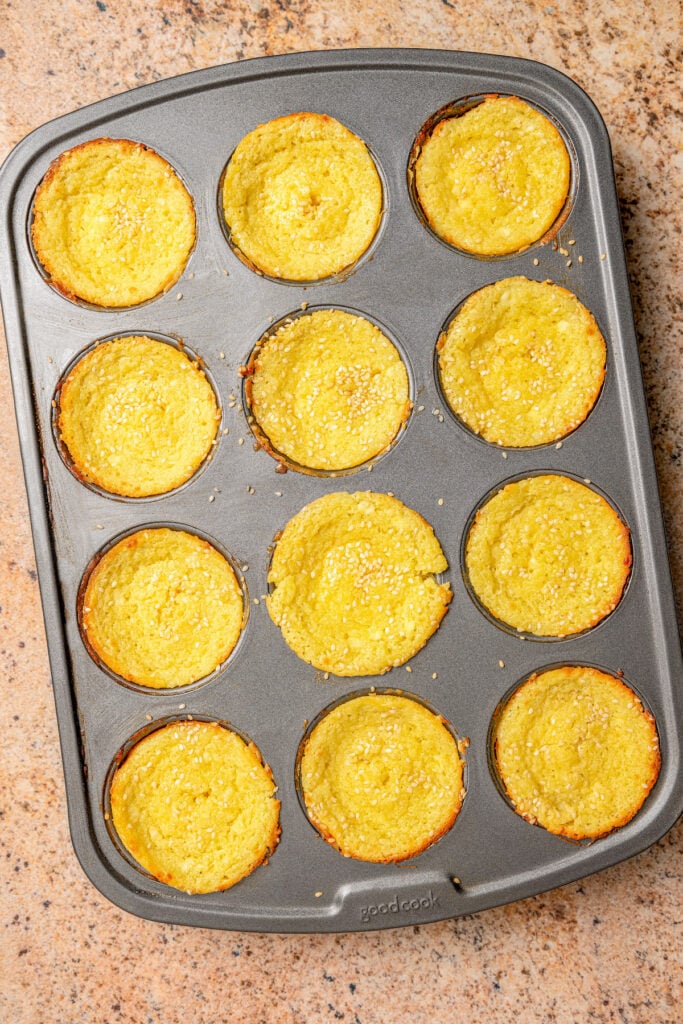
[220, 309]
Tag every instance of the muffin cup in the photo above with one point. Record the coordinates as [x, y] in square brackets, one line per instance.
[473, 433]
[83, 303]
[120, 757]
[462, 743]
[341, 275]
[169, 690]
[175, 342]
[456, 108]
[506, 627]
[491, 746]
[262, 439]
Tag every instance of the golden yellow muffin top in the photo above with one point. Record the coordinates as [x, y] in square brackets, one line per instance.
[548, 556]
[195, 806]
[381, 777]
[137, 416]
[576, 751]
[522, 363]
[328, 390]
[162, 608]
[302, 197]
[353, 583]
[113, 223]
[493, 180]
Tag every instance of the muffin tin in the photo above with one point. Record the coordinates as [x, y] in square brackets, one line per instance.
[411, 282]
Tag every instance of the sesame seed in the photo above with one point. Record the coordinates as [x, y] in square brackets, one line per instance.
[580, 259]
[440, 501]
[603, 255]
[501, 664]
[179, 296]
[212, 497]
[181, 707]
[241, 441]
[536, 261]
[559, 444]
[221, 355]
[318, 894]
[408, 668]
[434, 675]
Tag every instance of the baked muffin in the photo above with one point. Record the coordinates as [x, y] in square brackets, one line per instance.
[353, 585]
[492, 180]
[522, 363]
[302, 197]
[548, 556]
[327, 390]
[576, 751]
[113, 223]
[162, 608]
[195, 806]
[381, 777]
[136, 416]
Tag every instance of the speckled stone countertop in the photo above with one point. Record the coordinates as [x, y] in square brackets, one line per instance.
[605, 949]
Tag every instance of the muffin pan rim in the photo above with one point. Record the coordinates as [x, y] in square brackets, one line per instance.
[343, 912]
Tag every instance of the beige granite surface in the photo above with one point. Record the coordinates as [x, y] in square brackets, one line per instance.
[606, 949]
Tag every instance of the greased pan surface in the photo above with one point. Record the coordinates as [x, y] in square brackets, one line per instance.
[411, 284]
